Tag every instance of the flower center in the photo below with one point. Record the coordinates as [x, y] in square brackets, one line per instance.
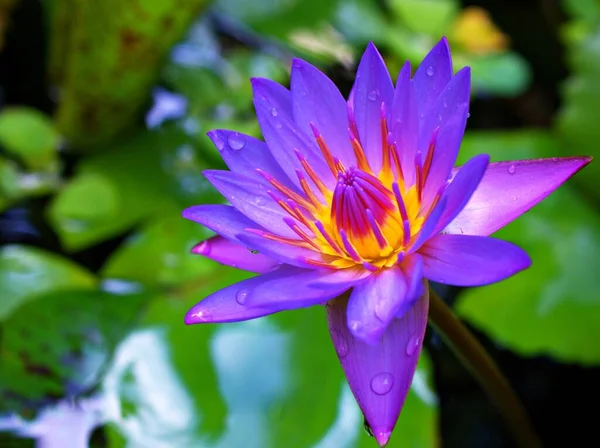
[364, 210]
[369, 218]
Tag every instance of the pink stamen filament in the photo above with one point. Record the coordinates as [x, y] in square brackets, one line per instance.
[403, 214]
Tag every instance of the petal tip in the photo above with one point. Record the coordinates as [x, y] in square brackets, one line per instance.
[383, 437]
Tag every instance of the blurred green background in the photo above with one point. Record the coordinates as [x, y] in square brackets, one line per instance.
[104, 109]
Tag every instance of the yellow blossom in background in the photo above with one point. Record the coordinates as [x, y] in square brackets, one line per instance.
[474, 30]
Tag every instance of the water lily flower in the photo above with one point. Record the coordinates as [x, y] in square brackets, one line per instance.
[355, 204]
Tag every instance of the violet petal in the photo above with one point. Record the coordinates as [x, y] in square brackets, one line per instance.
[317, 100]
[380, 375]
[231, 304]
[374, 303]
[509, 189]
[302, 286]
[467, 260]
[243, 154]
[432, 76]
[283, 136]
[448, 114]
[460, 190]
[372, 87]
[235, 255]
[222, 219]
[404, 122]
[282, 252]
[252, 199]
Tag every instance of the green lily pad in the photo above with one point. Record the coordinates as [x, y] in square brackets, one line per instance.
[60, 345]
[137, 179]
[30, 135]
[163, 248]
[551, 308]
[28, 272]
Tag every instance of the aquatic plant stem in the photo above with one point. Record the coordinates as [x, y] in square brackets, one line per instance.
[473, 356]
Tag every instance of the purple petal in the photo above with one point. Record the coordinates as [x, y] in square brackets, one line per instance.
[317, 100]
[460, 190]
[467, 260]
[373, 86]
[230, 304]
[432, 76]
[374, 303]
[243, 154]
[412, 268]
[509, 189]
[282, 252]
[222, 219]
[380, 375]
[235, 255]
[447, 144]
[251, 199]
[429, 226]
[404, 122]
[302, 287]
[283, 136]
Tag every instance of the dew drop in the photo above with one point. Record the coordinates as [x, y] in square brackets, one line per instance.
[511, 169]
[413, 345]
[372, 96]
[341, 345]
[468, 115]
[531, 177]
[382, 383]
[514, 198]
[274, 112]
[241, 296]
[236, 142]
[430, 71]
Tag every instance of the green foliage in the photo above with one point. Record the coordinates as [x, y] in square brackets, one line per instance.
[29, 135]
[106, 57]
[28, 272]
[577, 128]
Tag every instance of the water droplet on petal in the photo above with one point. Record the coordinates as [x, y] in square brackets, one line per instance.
[372, 96]
[382, 383]
[236, 142]
[430, 70]
[274, 112]
[413, 344]
[341, 345]
[511, 169]
[531, 177]
[514, 198]
[241, 296]
[468, 115]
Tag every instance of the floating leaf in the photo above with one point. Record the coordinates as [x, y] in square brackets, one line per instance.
[164, 247]
[137, 179]
[552, 307]
[30, 135]
[59, 345]
[27, 272]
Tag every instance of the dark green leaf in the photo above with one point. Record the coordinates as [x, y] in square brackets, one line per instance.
[27, 272]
